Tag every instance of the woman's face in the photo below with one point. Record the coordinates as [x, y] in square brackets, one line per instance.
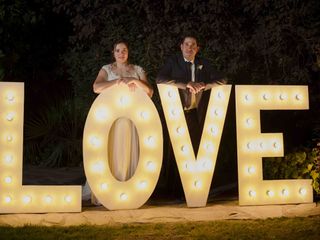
[121, 53]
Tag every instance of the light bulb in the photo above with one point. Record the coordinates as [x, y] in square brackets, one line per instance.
[251, 170]
[144, 115]
[9, 138]
[150, 141]
[68, 198]
[270, 193]
[10, 96]
[7, 199]
[298, 97]
[174, 112]
[184, 149]
[213, 130]
[217, 112]
[171, 94]
[303, 191]
[275, 145]
[123, 196]
[95, 141]
[101, 114]
[249, 122]
[220, 95]
[151, 166]
[124, 100]
[209, 147]
[98, 167]
[10, 116]
[197, 184]
[285, 192]
[282, 96]
[142, 184]
[26, 199]
[104, 186]
[252, 193]
[266, 97]
[8, 159]
[180, 130]
[48, 199]
[247, 97]
[250, 145]
[261, 144]
[188, 166]
[8, 180]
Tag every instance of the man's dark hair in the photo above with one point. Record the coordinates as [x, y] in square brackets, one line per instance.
[189, 35]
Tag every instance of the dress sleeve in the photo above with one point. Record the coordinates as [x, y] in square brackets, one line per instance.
[107, 68]
[140, 71]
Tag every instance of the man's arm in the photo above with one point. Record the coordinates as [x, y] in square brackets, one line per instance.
[215, 77]
[165, 75]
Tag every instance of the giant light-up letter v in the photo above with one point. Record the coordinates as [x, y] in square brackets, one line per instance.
[253, 145]
[15, 198]
[196, 173]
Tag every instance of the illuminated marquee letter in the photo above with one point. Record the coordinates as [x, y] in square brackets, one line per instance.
[15, 198]
[253, 145]
[111, 104]
[196, 173]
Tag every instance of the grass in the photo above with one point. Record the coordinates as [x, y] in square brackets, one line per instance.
[276, 228]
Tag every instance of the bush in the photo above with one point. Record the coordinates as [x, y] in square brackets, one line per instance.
[301, 163]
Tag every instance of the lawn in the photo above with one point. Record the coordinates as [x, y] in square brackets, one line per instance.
[277, 228]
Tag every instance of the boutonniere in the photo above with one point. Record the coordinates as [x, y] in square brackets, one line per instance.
[199, 67]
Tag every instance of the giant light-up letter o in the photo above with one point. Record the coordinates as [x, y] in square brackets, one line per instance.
[111, 104]
[253, 145]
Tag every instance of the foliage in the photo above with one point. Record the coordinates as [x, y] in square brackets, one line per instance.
[53, 134]
[302, 163]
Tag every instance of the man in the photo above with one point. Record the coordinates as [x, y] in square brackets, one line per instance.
[192, 75]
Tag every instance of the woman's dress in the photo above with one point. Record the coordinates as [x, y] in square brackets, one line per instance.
[123, 149]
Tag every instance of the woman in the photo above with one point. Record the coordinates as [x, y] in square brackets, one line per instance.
[122, 160]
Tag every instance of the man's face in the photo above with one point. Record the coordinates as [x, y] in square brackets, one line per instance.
[189, 48]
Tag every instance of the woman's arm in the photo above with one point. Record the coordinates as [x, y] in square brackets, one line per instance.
[101, 82]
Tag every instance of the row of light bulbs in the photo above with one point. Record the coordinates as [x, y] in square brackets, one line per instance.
[267, 96]
[262, 145]
[197, 184]
[27, 199]
[284, 192]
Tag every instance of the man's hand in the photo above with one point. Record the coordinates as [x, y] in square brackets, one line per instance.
[195, 87]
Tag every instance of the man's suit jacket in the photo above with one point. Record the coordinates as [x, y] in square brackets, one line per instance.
[178, 72]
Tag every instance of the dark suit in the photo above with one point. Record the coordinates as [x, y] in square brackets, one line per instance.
[177, 71]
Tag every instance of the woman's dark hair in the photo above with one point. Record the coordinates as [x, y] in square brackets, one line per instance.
[118, 42]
